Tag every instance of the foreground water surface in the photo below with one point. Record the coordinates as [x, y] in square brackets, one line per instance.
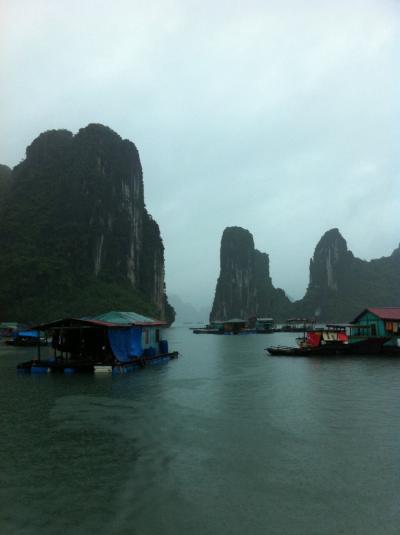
[223, 440]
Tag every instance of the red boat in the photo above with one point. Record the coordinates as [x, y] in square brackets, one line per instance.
[335, 339]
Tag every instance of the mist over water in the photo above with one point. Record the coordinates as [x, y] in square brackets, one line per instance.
[223, 440]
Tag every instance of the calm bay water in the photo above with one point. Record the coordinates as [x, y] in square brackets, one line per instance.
[224, 440]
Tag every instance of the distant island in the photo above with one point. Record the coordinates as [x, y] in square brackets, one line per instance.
[186, 313]
[76, 239]
[244, 286]
[340, 285]
[75, 235]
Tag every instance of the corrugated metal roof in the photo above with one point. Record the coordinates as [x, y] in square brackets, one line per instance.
[384, 313]
[108, 319]
[124, 318]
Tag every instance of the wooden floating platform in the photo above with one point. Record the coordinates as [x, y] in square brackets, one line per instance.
[67, 366]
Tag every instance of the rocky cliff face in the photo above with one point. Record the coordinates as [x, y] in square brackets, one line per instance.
[244, 286]
[342, 285]
[5, 182]
[75, 236]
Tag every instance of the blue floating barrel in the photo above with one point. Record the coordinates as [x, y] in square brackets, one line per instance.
[39, 369]
[163, 346]
[69, 370]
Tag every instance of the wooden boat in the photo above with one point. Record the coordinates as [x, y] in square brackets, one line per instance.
[205, 330]
[366, 347]
[335, 339]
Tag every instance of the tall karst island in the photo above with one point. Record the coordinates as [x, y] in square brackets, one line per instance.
[244, 286]
[75, 236]
[340, 285]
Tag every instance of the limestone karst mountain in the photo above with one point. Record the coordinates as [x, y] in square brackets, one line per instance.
[244, 286]
[5, 182]
[340, 286]
[75, 235]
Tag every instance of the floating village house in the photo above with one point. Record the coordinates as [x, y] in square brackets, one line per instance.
[115, 341]
[381, 321]
[264, 324]
[237, 326]
[298, 324]
[234, 326]
[26, 337]
[7, 328]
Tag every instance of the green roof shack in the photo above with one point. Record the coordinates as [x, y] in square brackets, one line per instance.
[114, 342]
[382, 321]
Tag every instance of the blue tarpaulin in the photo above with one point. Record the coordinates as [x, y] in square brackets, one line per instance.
[126, 343]
[27, 334]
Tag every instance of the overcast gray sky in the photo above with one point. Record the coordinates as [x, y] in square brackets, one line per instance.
[279, 116]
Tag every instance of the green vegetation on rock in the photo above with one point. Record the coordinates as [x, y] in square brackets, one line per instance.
[244, 286]
[340, 286]
[75, 236]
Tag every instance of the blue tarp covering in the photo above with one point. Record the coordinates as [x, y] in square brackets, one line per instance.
[126, 343]
[27, 334]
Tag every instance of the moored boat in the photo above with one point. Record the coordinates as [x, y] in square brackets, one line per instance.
[206, 330]
[335, 339]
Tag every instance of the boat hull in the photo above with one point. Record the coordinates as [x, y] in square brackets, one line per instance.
[369, 346]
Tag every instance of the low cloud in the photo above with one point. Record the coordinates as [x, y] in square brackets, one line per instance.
[281, 117]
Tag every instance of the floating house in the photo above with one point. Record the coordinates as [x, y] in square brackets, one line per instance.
[26, 337]
[217, 324]
[8, 328]
[234, 326]
[375, 331]
[298, 325]
[264, 325]
[381, 321]
[113, 342]
[238, 326]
